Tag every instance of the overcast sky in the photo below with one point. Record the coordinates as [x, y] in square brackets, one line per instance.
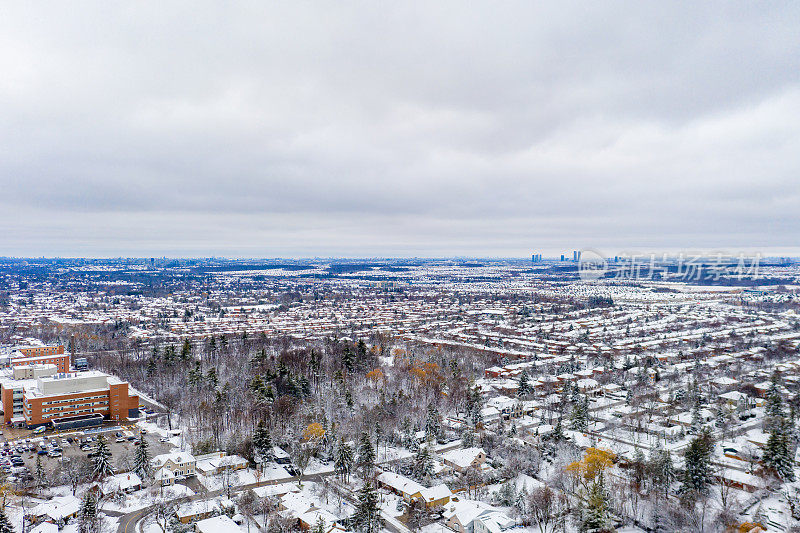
[398, 128]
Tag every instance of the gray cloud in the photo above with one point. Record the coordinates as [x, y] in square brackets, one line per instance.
[404, 129]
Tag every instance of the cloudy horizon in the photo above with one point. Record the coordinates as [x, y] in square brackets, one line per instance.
[411, 129]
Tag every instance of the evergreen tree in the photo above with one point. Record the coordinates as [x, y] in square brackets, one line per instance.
[41, 477]
[5, 523]
[348, 358]
[186, 350]
[474, 406]
[211, 377]
[423, 462]
[777, 452]
[367, 517]
[558, 433]
[467, 437]
[595, 514]
[319, 526]
[344, 460]
[524, 387]
[262, 442]
[141, 460]
[507, 495]
[407, 433]
[774, 407]
[661, 469]
[89, 521]
[305, 386]
[580, 414]
[697, 472]
[433, 424]
[102, 460]
[720, 416]
[366, 456]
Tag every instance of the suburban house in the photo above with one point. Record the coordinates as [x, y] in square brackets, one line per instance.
[121, 483]
[435, 496]
[508, 407]
[218, 462]
[45, 527]
[179, 463]
[469, 516]
[491, 521]
[304, 514]
[201, 509]
[57, 511]
[406, 488]
[464, 458]
[217, 524]
[164, 477]
[737, 400]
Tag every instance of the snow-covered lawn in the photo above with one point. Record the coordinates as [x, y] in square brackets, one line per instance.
[317, 467]
[237, 478]
[145, 497]
[270, 471]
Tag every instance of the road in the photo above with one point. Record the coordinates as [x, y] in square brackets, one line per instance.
[129, 521]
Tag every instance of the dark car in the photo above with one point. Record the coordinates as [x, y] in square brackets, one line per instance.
[42, 452]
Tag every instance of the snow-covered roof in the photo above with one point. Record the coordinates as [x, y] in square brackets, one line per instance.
[400, 483]
[163, 474]
[197, 507]
[217, 524]
[58, 508]
[495, 520]
[121, 482]
[437, 492]
[464, 457]
[45, 527]
[175, 457]
[465, 510]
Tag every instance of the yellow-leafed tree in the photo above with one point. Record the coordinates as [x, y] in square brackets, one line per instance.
[314, 432]
[594, 463]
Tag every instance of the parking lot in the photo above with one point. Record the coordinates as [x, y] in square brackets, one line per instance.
[69, 442]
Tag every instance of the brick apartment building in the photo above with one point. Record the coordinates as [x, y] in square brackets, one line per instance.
[40, 355]
[36, 351]
[62, 396]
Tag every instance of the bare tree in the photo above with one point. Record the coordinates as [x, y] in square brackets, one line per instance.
[546, 508]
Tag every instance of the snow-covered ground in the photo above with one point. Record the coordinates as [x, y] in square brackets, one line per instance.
[145, 497]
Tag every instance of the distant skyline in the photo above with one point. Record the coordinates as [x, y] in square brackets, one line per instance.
[422, 129]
